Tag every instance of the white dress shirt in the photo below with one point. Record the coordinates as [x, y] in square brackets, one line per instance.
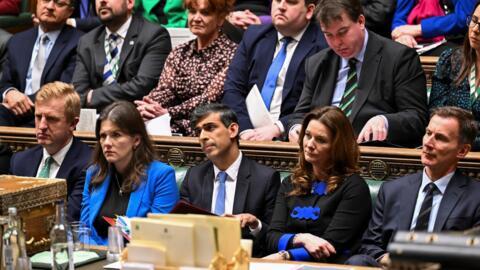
[57, 159]
[441, 184]
[230, 186]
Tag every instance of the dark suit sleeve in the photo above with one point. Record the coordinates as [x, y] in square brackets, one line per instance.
[273, 184]
[279, 219]
[409, 84]
[87, 24]
[184, 189]
[146, 75]
[378, 14]
[236, 86]
[355, 205]
[373, 243]
[75, 197]
[9, 76]
[305, 101]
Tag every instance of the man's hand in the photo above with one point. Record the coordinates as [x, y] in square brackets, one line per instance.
[247, 220]
[294, 133]
[149, 109]
[89, 97]
[248, 135]
[267, 133]
[385, 261]
[35, 20]
[407, 40]
[411, 30]
[317, 247]
[374, 130]
[243, 19]
[17, 102]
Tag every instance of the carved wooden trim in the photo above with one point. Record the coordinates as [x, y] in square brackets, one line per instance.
[377, 163]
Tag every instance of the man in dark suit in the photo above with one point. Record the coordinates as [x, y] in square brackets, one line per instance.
[43, 54]
[59, 154]
[383, 93]
[438, 199]
[136, 50]
[272, 58]
[229, 183]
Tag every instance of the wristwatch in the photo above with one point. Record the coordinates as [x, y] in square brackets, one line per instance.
[284, 254]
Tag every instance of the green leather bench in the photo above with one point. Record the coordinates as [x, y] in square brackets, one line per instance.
[373, 185]
[13, 23]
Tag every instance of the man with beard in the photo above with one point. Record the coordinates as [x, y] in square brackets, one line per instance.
[59, 154]
[120, 60]
[438, 199]
[229, 183]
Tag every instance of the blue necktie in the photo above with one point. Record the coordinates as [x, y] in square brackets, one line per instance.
[220, 202]
[271, 80]
[84, 8]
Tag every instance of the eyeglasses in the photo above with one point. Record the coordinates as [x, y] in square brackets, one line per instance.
[472, 21]
[58, 3]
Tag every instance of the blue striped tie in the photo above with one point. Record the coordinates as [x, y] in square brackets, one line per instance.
[112, 58]
[270, 83]
[220, 202]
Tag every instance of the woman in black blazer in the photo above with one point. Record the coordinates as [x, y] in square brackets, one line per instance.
[323, 208]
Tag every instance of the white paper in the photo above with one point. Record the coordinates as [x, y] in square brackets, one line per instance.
[427, 47]
[88, 119]
[159, 125]
[257, 111]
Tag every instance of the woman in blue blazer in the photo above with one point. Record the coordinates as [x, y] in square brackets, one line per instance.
[125, 179]
[456, 81]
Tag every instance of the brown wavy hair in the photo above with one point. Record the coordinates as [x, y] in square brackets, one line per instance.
[344, 154]
[469, 56]
[127, 118]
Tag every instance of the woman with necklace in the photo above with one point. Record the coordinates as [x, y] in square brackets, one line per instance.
[125, 179]
[456, 81]
[323, 208]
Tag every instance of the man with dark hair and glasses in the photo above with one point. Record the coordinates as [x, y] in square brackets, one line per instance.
[379, 84]
[43, 54]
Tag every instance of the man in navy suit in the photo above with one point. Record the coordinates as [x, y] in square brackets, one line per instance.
[248, 189]
[273, 53]
[43, 54]
[59, 154]
[438, 199]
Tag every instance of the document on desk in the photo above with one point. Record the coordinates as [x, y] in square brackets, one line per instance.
[257, 111]
[159, 125]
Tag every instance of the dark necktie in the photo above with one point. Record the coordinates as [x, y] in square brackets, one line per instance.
[270, 83]
[346, 104]
[220, 202]
[424, 215]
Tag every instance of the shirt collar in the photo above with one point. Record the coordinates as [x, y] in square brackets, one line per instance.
[122, 31]
[52, 35]
[232, 171]
[360, 55]
[441, 183]
[60, 155]
[297, 37]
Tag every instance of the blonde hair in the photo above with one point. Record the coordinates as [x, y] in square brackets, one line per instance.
[61, 90]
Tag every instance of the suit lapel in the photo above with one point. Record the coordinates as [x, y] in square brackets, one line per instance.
[368, 74]
[97, 197]
[408, 201]
[136, 199]
[452, 194]
[207, 188]
[57, 49]
[99, 54]
[129, 42]
[67, 161]
[37, 156]
[266, 48]
[305, 45]
[241, 189]
[327, 80]
[26, 46]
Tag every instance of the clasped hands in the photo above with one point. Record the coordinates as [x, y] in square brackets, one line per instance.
[374, 130]
[17, 102]
[406, 34]
[243, 19]
[317, 247]
[266, 133]
[149, 109]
